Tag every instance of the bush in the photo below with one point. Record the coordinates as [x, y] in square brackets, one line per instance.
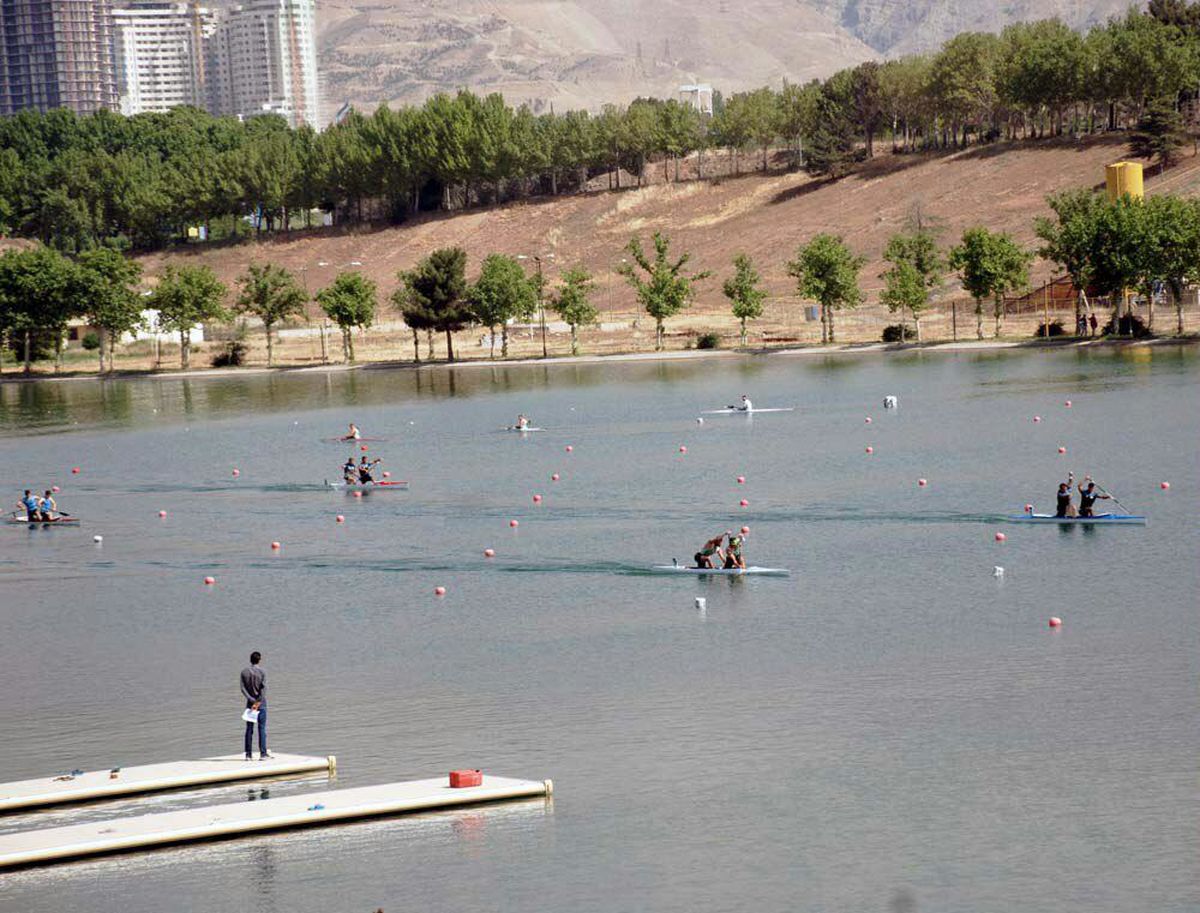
[1056, 329]
[708, 341]
[233, 355]
[896, 332]
[91, 342]
[1131, 325]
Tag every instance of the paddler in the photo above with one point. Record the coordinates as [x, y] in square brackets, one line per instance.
[1063, 506]
[733, 554]
[46, 507]
[29, 503]
[1088, 496]
[745, 405]
[704, 557]
[522, 422]
[353, 434]
[350, 472]
[364, 470]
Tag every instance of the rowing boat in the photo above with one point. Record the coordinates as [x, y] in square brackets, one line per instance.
[734, 410]
[63, 521]
[1121, 519]
[367, 486]
[720, 571]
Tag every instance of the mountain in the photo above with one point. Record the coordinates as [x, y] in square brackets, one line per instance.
[583, 53]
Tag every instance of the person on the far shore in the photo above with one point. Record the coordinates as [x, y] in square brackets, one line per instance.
[1093, 322]
[254, 690]
[1081, 325]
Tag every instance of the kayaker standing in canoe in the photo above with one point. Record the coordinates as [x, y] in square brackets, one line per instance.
[364, 470]
[704, 557]
[733, 554]
[1088, 496]
[1063, 506]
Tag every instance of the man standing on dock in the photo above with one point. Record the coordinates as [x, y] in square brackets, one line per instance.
[254, 690]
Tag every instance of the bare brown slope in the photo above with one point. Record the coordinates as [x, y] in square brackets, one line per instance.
[1001, 187]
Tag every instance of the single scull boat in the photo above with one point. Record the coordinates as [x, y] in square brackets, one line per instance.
[720, 571]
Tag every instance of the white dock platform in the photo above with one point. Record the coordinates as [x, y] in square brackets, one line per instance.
[100, 784]
[307, 810]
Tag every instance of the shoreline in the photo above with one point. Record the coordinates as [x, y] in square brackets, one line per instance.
[851, 348]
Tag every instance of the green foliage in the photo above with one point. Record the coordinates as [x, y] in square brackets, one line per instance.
[90, 341]
[742, 290]
[39, 293]
[572, 302]
[433, 295]
[349, 302]
[990, 264]
[108, 285]
[831, 146]
[904, 289]
[917, 267]
[826, 271]
[708, 341]
[271, 294]
[502, 293]
[666, 289]
[185, 297]
[1160, 133]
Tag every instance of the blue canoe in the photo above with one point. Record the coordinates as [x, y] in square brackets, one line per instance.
[1122, 519]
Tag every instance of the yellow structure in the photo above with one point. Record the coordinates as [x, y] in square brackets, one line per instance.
[1122, 178]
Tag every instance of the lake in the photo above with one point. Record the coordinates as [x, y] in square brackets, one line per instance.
[890, 728]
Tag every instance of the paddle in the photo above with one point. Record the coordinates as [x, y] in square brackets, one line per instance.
[1105, 491]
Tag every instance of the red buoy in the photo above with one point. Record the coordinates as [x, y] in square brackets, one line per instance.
[341, 519]
[162, 513]
[743, 503]
[682, 449]
[236, 473]
[868, 420]
[209, 581]
[513, 523]
[386, 474]
[1067, 404]
[1164, 485]
[1062, 449]
[922, 483]
[1028, 508]
[569, 448]
[489, 553]
[75, 470]
[358, 494]
[1000, 537]
[745, 530]
[870, 450]
[55, 489]
[741, 480]
[1055, 621]
[439, 591]
[276, 546]
[554, 478]
[363, 448]
[1036, 419]
[537, 499]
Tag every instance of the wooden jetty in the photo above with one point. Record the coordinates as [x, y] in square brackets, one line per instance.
[215, 821]
[123, 781]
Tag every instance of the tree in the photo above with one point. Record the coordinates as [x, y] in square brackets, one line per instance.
[990, 264]
[1172, 248]
[1071, 240]
[831, 149]
[502, 293]
[1160, 133]
[271, 294]
[573, 303]
[185, 297]
[867, 96]
[435, 294]
[39, 290]
[350, 303]
[108, 282]
[666, 289]
[826, 271]
[743, 291]
[917, 267]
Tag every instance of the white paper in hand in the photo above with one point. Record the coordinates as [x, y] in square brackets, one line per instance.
[250, 716]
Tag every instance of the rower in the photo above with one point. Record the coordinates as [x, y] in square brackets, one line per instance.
[522, 422]
[1088, 496]
[353, 434]
[1063, 506]
[745, 405]
[733, 555]
[704, 557]
[47, 508]
[350, 472]
[29, 503]
[364, 470]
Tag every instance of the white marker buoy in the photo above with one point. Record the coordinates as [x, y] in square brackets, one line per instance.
[997, 571]
[97, 539]
[701, 603]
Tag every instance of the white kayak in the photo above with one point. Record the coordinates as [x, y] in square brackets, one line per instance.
[720, 571]
[1125, 519]
[734, 410]
[367, 486]
[523, 430]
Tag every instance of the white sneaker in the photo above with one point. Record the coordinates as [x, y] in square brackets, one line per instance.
[263, 757]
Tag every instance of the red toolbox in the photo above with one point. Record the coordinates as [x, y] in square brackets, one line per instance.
[461, 778]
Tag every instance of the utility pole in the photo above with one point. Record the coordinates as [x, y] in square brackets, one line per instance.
[541, 305]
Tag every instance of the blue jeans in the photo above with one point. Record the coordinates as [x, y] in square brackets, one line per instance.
[262, 732]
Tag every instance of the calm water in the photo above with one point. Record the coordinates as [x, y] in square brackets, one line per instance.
[890, 728]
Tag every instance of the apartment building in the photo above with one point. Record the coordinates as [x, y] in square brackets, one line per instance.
[56, 54]
[159, 51]
[262, 59]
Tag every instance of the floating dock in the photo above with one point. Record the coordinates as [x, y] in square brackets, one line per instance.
[105, 784]
[307, 810]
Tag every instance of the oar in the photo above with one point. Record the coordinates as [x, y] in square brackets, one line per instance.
[1105, 491]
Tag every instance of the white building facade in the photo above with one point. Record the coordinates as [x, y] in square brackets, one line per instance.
[262, 59]
[159, 55]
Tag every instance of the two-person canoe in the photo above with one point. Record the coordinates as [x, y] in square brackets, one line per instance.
[1119, 519]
